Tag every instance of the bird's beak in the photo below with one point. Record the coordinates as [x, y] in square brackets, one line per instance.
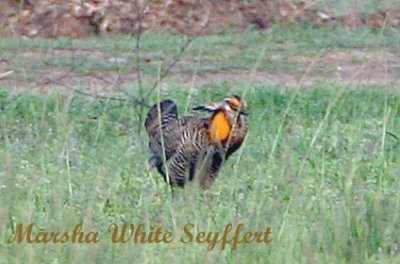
[244, 113]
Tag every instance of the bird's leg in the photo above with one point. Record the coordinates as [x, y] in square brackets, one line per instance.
[172, 192]
[207, 197]
[152, 178]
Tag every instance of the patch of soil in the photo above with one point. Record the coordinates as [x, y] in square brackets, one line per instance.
[78, 19]
[348, 67]
[353, 68]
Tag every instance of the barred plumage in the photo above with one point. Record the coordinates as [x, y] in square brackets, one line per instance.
[194, 147]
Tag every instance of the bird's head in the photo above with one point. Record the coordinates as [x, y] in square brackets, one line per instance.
[233, 105]
[225, 114]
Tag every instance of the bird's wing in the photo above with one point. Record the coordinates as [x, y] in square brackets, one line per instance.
[238, 135]
[190, 151]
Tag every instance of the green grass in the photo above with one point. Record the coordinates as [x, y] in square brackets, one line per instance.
[320, 165]
[341, 7]
[228, 52]
[66, 159]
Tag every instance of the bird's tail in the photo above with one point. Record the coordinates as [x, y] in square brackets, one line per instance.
[160, 125]
[169, 111]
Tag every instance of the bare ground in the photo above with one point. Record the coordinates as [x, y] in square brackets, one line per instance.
[351, 68]
[79, 19]
[348, 67]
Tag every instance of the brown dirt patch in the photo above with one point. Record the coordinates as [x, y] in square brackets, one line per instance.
[353, 68]
[349, 67]
[78, 19]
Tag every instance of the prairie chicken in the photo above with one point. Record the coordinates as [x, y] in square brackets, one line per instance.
[195, 147]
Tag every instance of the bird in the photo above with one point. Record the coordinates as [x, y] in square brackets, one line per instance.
[194, 148]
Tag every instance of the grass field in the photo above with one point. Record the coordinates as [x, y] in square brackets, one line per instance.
[320, 165]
